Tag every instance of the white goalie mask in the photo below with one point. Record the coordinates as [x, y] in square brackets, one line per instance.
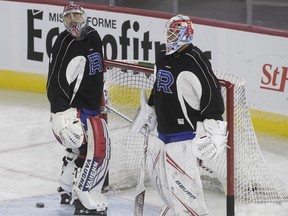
[178, 32]
[74, 19]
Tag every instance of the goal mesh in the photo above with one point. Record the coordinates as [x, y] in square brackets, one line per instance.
[253, 182]
[123, 88]
[253, 179]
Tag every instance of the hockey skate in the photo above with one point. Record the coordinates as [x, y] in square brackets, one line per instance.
[65, 196]
[81, 210]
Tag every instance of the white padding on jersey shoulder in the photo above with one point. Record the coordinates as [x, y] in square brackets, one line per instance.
[67, 128]
[189, 89]
[75, 69]
[95, 167]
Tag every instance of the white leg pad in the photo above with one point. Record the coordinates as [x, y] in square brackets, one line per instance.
[166, 211]
[93, 173]
[175, 174]
[66, 178]
[184, 180]
[155, 164]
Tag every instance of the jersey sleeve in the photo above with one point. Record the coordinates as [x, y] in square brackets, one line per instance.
[200, 88]
[151, 100]
[211, 101]
[58, 90]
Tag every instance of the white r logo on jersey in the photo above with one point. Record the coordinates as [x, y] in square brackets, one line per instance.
[95, 63]
[164, 81]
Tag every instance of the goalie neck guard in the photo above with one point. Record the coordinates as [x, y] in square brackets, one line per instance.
[178, 32]
[74, 19]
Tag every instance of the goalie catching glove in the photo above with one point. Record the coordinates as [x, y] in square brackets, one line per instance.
[210, 140]
[67, 128]
[146, 116]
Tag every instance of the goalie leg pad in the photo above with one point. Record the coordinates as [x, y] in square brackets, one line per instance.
[175, 175]
[166, 211]
[66, 178]
[155, 167]
[184, 181]
[93, 173]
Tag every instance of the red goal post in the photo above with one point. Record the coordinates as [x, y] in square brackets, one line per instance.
[241, 172]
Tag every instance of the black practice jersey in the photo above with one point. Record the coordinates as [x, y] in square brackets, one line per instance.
[75, 77]
[164, 94]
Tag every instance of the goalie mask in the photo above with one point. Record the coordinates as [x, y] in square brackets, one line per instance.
[74, 19]
[178, 32]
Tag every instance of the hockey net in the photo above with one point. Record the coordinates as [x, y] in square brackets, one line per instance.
[240, 172]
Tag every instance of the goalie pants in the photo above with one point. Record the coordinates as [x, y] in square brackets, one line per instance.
[175, 174]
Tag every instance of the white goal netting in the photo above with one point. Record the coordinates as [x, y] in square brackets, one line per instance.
[253, 183]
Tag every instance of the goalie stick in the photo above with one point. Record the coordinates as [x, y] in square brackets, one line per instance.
[124, 117]
[222, 180]
[140, 188]
[118, 113]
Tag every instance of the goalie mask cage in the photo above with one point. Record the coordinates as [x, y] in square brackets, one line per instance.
[240, 172]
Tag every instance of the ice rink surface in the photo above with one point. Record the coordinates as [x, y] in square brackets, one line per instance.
[31, 159]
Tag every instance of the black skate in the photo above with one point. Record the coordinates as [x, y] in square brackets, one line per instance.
[65, 196]
[81, 210]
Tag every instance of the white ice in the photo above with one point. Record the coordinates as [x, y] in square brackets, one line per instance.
[31, 159]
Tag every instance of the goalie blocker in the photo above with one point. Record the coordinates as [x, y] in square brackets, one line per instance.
[89, 179]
